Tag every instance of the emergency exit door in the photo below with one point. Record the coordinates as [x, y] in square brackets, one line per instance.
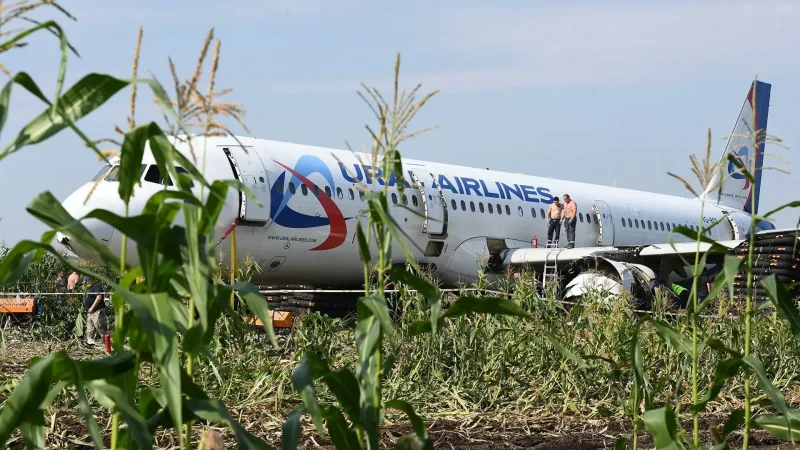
[606, 223]
[249, 169]
[433, 204]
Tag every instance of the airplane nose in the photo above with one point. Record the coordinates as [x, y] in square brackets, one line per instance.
[102, 231]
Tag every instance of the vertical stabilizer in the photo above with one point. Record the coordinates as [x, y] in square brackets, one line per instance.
[737, 192]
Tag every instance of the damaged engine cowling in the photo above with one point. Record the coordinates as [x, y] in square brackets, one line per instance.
[597, 274]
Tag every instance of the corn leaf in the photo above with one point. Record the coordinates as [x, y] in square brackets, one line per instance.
[662, 424]
[88, 94]
[154, 313]
[780, 298]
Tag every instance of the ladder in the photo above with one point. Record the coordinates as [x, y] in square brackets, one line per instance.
[550, 263]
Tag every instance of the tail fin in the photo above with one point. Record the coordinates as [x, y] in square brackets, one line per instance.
[736, 191]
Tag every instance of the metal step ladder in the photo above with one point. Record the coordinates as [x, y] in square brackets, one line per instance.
[551, 263]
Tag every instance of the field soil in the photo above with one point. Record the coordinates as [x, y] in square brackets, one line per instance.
[474, 432]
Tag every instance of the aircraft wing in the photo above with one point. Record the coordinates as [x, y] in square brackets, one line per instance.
[534, 256]
[538, 256]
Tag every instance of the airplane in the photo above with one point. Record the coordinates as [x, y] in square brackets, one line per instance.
[465, 220]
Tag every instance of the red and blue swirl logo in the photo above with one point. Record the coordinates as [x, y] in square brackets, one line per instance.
[735, 172]
[283, 215]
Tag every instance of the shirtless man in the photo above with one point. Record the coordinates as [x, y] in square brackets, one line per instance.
[570, 215]
[553, 218]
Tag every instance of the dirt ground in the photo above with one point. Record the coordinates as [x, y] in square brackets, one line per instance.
[478, 434]
[481, 434]
[474, 433]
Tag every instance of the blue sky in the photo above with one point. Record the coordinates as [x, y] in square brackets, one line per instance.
[618, 92]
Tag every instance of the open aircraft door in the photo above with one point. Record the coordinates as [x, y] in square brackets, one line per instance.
[606, 222]
[249, 169]
[734, 230]
[434, 205]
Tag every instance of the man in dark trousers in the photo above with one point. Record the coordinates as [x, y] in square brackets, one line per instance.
[95, 312]
[553, 218]
[61, 284]
[570, 215]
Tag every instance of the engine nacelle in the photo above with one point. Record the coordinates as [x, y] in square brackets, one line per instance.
[609, 278]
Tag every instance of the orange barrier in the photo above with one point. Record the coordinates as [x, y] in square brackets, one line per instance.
[13, 305]
[280, 319]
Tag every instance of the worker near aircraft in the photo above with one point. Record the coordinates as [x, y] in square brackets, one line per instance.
[570, 216]
[553, 218]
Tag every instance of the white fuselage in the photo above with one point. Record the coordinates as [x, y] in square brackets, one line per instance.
[299, 238]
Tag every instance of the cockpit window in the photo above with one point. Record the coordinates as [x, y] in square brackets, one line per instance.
[154, 175]
[113, 174]
[104, 170]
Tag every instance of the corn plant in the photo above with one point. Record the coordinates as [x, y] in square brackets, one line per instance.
[662, 422]
[355, 421]
[169, 316]
[178, 295]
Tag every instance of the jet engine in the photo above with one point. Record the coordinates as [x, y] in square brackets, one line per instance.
[608, 278]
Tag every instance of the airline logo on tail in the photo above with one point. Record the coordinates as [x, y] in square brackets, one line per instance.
[285, 216]
[751, 125]
[735, 173]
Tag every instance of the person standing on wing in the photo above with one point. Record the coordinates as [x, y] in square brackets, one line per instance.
[570, 218]
[553, 218]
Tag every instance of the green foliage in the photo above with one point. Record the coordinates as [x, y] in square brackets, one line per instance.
[359, 393]
[662, 422]
[149, 316]
[170, 321]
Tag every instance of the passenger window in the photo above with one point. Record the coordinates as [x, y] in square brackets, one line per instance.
[588, 218]
[279, 186]
[394, 198]
[414, 200]
[352, 195]
[519, 210]
[480, 206]
[339, 193]
[472, 206]
[453, 202]
[292, 189]
[361, 194]
[328, 191]
[580, 217]
[662, 225]
[533, 212]
[499, 209]
[463, 206]
[405, 200]
[623, 222]
[541, 210]
[508, 210]
[304, 189]
[103, 170]
[636, 222]
[649, 226]
[630, 224]
[316, 191]
[491, 209]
